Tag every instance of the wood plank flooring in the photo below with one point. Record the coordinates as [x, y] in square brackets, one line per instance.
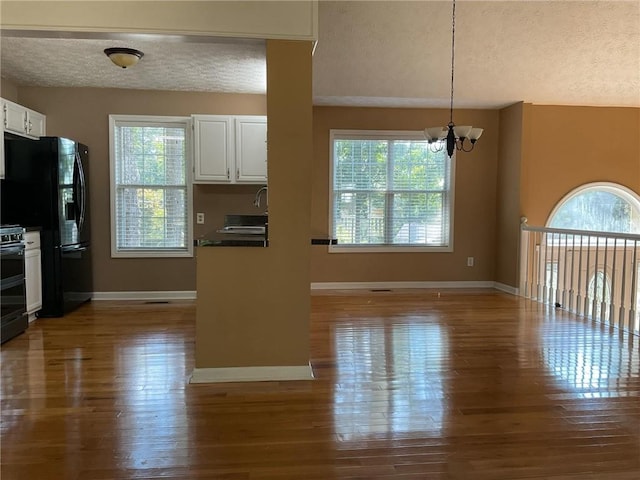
[414, 384]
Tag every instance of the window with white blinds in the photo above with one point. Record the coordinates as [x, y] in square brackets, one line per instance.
[150, 187]
[390, 191]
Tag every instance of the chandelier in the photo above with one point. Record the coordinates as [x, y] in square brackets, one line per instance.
[456, 136]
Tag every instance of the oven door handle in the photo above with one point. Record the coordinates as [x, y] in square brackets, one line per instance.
[12, 250]
[10, 282]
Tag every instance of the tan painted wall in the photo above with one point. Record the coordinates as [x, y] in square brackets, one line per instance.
[475, 200]
[571, 155]
[82, 114]
[253, 304]
[8, 90]
[571, 146]
[254, 19]
[508, 194]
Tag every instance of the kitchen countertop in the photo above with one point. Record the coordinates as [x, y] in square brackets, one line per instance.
[235, 233]
[216, 239]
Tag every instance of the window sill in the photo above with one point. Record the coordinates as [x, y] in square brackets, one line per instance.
[388, 249]
[152, 254]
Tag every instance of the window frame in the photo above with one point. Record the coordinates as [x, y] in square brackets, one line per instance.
[339, 134]
[618, 190]
[149, 121]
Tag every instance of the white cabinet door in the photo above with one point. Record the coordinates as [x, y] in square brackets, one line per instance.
[213, 152]
[33, 279]
[23, 121]
[35, 124]
[15, 117]
[251, 149]
[2, 154]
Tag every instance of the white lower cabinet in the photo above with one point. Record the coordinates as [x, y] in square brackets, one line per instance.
[33, 273]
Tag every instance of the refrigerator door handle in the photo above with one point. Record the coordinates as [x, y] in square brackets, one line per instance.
[73, 207]
[82, 192]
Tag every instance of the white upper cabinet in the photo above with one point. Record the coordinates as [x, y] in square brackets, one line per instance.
[251, 149]
[213, 148]
[2, 157]
[230, 149]
[15, 117]
[36, 124]
[22, 121]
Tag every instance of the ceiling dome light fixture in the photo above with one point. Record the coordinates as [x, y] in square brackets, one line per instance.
[123, 57]
[455, 136]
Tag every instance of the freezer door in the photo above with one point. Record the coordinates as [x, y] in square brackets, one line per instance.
[76, 275]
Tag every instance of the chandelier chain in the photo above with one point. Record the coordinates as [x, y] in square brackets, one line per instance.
[461, 138]
[453, 54]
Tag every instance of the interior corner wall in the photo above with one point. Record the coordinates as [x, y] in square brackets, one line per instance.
[510, 147]
[572, 146]
[475, 200]
[8, 90]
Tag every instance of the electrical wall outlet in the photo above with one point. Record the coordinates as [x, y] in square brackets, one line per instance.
[470, 261]
[200, 218]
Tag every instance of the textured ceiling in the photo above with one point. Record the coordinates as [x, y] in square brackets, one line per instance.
[167, 64]
[399, 53]
[383, 53]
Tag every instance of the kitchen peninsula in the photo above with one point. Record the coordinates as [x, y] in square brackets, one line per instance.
[253, 304]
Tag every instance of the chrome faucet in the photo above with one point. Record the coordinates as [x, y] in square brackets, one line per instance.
[259, 193]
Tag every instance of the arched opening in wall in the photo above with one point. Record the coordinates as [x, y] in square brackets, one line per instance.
[599, 207]
[598, 245]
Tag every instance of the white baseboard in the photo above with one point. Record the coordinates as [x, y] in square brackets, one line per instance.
[506, 288]
[392, 285]
[251, 374]
[149, 295]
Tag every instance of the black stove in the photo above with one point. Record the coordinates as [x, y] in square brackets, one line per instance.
[12, 284]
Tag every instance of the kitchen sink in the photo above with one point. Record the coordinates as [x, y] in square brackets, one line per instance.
[244, 229]
[245, 224]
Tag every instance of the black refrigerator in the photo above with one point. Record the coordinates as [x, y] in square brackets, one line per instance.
[46, 186]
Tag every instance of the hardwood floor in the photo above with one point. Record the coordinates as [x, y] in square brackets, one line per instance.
[410, 385]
